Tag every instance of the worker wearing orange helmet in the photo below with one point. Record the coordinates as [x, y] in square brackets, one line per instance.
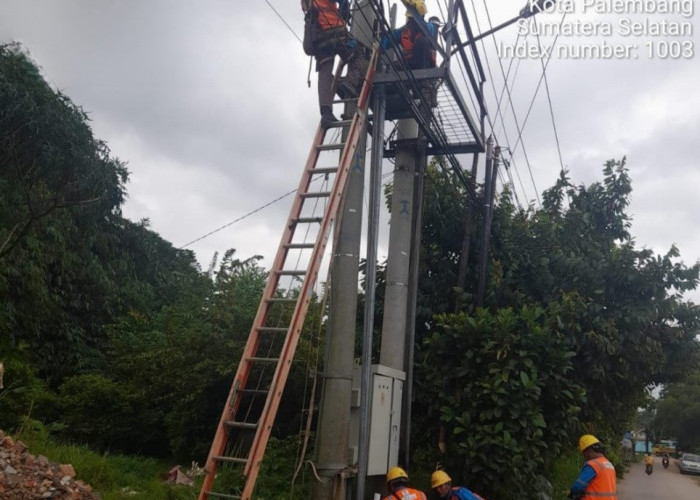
[397, 486]
[442, 484]
[597, 479]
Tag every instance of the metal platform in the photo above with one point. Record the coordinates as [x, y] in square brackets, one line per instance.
[452, 129]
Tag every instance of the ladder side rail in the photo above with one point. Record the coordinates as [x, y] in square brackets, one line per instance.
[285, 360]
[239, 382]
[280, 376]
[294, 330]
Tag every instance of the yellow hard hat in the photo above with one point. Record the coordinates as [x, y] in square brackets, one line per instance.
[396, 473]
[439, 478]
[419, 5]
[586, 441]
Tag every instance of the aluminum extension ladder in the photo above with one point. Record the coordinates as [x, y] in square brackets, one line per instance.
[250, 410]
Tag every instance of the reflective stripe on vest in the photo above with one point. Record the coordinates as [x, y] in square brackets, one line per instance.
[406, 494]
[328, 16]
[604, 484]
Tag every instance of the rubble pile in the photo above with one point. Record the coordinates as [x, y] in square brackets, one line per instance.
[26, 477]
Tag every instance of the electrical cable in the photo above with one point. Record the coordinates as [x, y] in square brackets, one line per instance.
[499, 114]
[283, 20]
[549, 100]
[512, 107]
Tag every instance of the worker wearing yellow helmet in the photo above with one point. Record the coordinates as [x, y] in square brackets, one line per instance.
[417, 49]
[442, 484]
[397, 486]
[597, 479]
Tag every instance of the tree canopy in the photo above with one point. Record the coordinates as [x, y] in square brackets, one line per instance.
[576, 323]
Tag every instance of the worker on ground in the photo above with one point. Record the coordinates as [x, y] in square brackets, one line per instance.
[330, 37]
[597, 479]
[648, 463]
[397, 486]
[442, 484]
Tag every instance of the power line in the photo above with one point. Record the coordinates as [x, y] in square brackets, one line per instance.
[239, 219]
[499, 114]
[283, 20]
[512, 107]
[549, 99]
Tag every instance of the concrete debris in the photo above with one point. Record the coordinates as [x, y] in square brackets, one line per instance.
[24, 476]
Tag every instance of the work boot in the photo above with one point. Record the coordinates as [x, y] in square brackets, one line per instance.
[327, 118]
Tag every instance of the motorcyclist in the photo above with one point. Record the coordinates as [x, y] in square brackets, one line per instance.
[648, 463]
[664, 460]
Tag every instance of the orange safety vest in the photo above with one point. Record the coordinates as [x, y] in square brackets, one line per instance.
[408, 40]
[406, 494]
[328, 15]
[604, 484]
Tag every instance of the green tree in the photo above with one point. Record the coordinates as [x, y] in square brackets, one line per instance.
[678, 412]
[616, 309]
[69, 262]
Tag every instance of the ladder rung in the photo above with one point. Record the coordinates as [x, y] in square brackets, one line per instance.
[280, 300]
[242, 425]
[231, 459]
[291, 272]
[340, 123]
[297, 246]
[316, 194]
[330, 147]
[223, 495]
[253, 391]
[309, 220]
[263, 360]
[272, 329]
[324, 170]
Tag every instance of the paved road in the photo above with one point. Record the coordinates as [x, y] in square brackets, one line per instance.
[663, 484]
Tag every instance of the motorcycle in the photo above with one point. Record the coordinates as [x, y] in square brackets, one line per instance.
[664, 461]
[649, 469]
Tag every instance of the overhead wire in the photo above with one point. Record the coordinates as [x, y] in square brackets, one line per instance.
[512, 107]
[549, 100]
[512, 163]
[542, 76]
[283, 20]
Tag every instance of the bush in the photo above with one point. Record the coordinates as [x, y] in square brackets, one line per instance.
[24, 393]
[100, 412]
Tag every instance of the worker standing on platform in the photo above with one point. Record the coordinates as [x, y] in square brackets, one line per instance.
[330, 37]
[417, 49]
[397, 486]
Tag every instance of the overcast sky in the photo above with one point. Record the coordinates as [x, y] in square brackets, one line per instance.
[207, 102]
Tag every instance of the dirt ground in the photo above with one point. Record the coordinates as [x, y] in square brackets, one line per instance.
[24, 476]
[662, 484]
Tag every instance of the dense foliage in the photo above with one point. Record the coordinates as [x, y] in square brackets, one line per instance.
[678, 412]
[114, 338]
[576, 323]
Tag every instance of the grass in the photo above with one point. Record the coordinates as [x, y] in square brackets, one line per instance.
[564, 471]
[113, 477]
[121, 477]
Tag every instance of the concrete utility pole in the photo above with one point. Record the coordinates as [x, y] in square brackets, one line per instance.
[397, 272]
[334, 419]
[416, 231]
